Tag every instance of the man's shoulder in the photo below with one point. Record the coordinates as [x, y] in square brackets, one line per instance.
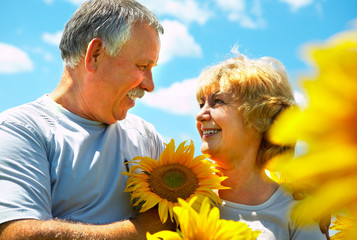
[32, 113]
[14, 113]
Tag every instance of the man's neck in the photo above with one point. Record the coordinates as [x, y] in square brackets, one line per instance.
[68, 92]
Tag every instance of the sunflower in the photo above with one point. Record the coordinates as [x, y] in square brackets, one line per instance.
[275, 176]
[204, 225]
[177, 174]
[327, 169]
[344, 225]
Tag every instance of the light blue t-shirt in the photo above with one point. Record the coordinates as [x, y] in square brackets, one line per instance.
[271, 218]
[55, 164]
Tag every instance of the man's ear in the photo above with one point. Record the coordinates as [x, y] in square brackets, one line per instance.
[95, 52]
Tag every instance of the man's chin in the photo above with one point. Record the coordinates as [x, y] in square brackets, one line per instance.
[122, 115]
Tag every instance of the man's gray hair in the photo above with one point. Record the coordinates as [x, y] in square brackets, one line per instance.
[110, 20]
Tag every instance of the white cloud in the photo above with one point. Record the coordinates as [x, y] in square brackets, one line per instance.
[179, 98]
[296, 4]
[237, 5]
[177, 42]
[186, 11]
[14, 60]
[53, 39]
[247, 13]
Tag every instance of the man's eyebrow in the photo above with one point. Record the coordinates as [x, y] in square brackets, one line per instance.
[148, 62]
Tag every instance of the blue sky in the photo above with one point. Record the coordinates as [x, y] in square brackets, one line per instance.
[197, 34]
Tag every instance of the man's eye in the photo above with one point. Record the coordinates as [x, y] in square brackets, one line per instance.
[201, 105]
[142, 67]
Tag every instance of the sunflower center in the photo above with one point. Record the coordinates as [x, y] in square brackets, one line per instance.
[173, 181]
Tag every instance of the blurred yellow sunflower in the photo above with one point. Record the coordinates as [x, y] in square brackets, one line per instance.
[177, 174]
[275, 176]
[345, 226]
[204, 225]
[327, 169]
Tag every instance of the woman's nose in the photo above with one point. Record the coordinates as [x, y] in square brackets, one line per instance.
[203, 114]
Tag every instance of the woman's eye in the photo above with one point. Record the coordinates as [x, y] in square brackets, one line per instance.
[218, 101]
[201, 105]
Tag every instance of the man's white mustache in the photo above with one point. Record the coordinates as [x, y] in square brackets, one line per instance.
[137, 92]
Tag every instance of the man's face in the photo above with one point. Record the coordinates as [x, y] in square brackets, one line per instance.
[116, 76]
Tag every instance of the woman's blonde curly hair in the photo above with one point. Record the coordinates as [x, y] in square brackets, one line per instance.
[263, 90]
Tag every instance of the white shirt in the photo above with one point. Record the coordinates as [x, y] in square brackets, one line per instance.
[271, 218]
[55, 164]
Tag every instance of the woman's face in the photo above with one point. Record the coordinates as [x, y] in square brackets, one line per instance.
[223, 135]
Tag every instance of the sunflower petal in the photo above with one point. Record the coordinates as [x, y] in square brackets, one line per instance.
[163, 235]
[147, 187]
[163, 210]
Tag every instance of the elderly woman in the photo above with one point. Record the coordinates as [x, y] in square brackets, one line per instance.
[239, 100]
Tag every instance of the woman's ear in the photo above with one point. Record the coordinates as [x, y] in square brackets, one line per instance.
[94, 54]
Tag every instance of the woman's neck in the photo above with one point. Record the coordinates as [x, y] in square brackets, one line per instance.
[249, 186]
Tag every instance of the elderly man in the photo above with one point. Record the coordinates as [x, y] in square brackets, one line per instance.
[61, 156]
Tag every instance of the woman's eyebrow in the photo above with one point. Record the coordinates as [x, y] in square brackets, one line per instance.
[218, 93]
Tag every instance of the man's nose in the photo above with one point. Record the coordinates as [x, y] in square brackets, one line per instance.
[148, 83]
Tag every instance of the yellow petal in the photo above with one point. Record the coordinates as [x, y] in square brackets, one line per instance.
[163, 235]
[329, 197]
[163, 210]
[150, 202]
